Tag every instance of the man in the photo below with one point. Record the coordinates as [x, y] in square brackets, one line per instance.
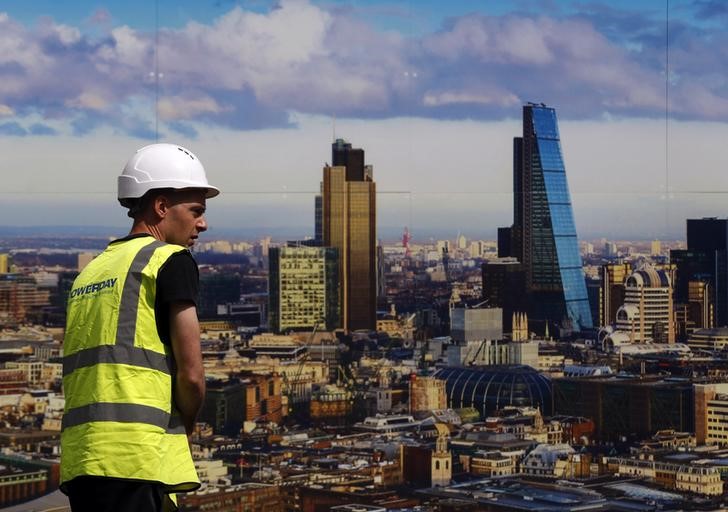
[132, 368]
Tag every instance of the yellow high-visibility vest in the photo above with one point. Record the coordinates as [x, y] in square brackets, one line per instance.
[120, 420]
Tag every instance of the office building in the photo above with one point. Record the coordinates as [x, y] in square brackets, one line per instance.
[21, 299]
[611, 292]
[303, 288]
[240, 398]
[381, 272]
[626, 406]
[543, 235]
[223, 406]
[492, 353]
[647, 310]
[610, 250]
[503, 287]
[476, 324]
[217, 289]
[715, 338]
[697, 314]
[4, 263]
[318, 236]
[505, 237]
[705, 259]
[655, 248]
[711, 413]
[593, 293]
[349, 225]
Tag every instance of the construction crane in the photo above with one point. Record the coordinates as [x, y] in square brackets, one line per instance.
[295, 378]
[406, 238]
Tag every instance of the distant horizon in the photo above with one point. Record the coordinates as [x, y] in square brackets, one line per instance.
[391, 234]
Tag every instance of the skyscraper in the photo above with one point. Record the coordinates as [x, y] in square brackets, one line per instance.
[349, 224]
[543, 235]
[705, 259]
[303, 288]
[647, 310]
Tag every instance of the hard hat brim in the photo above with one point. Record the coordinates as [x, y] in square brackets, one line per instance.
[134, 189]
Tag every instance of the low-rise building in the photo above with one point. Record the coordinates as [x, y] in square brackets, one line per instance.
[488, 464]
[252, 497]
[427, 394]
[542, 460]
[681, 477]
[384, 424]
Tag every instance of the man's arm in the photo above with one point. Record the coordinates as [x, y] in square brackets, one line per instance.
[189, 388]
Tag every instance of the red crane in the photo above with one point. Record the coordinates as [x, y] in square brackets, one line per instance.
[406, 237]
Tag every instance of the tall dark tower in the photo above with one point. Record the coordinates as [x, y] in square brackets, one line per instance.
[349, 223]
[706, 260]
[543, 233]
[342, 154]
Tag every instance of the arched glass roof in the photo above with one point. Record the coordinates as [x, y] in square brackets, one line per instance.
[489, 388]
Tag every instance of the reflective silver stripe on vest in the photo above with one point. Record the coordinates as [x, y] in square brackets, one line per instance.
[129, 305]
[123, 413]
[113, 354]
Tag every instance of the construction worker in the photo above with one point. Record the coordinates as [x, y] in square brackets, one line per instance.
[132, 366]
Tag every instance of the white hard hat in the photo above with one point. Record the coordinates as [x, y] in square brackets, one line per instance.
[162, 166]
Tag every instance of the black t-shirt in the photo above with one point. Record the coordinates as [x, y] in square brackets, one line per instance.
[177, 281]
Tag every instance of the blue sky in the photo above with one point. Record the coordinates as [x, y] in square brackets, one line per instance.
[77, 80]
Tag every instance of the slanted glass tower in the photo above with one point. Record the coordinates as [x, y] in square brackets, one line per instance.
[543, 236]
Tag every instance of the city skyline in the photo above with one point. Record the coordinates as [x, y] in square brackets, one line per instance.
[419, 87]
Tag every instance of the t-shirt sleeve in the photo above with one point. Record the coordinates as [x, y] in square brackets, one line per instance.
[178, 280]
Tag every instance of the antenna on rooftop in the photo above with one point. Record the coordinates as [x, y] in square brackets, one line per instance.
[667, 112]
[156, 71]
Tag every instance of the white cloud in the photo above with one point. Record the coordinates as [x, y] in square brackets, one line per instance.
[244, 48]
[89, 100]
[67, 35]
[128, 48]
[16, 47]
[501, 99]
[188, 107]
[6, 111]
[310, 58]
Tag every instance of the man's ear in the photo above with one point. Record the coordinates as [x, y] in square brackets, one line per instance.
[161, 205]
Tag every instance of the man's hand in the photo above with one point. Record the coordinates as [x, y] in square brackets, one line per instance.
[189, 388]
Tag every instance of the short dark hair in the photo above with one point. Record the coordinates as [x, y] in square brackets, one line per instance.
[137, 205]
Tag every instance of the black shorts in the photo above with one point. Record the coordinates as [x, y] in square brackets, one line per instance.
[101, 494]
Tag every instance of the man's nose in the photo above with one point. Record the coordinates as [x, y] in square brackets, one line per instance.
[202, 224]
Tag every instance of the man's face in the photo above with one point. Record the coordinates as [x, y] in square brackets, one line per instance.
[185, 218]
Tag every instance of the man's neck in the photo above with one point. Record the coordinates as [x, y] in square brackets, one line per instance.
[141, 227]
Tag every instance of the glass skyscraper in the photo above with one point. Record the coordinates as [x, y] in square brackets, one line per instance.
[348, 223]
[706, 260]
[543, 236]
